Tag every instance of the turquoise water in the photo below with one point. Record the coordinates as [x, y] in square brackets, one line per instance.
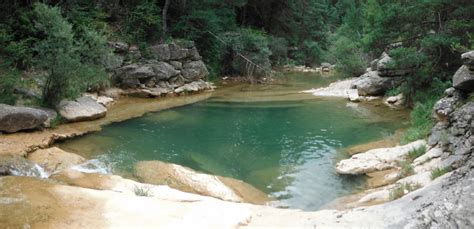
[281, 141]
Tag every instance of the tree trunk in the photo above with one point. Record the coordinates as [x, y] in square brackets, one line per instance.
[163, 18]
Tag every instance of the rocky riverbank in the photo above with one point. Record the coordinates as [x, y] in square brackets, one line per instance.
[424, 184]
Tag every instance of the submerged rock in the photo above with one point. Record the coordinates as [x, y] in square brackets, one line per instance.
[54, 159]
[82, 109]
[14, 119]
[188, 180]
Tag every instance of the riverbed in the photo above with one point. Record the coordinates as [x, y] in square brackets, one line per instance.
[274, 137]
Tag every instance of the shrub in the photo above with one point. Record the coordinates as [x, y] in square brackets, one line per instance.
[347, 55]
[9, 79]
[279, 48]
[435, 173]
[420, 122]
[253, 44]
[143, 23]
[70, 66]
[414, 153]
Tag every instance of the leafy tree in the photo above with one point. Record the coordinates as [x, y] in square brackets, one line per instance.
[67, 73]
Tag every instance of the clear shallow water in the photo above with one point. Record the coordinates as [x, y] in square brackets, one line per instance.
[281, 141]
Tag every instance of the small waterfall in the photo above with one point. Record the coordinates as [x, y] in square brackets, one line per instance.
[93, 166]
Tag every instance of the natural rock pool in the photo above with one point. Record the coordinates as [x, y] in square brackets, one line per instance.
[281, 141]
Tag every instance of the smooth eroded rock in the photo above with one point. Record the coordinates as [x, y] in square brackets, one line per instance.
[13, 119]
[376, 159]
[188, 180]
[55, 159]
[82, 109]
[468, 59]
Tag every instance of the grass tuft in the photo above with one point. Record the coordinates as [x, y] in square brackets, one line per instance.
[142, 190]
[402, 189]
[414, 153]
[435, 173]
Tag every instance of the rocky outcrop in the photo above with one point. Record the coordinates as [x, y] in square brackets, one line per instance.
[13, 119]
[445, 106]
[379, 77]
[84, 108]
[53, 160]
[464, 79]
[173, 66]
[468, 59]
[188, 180]
[371, 84]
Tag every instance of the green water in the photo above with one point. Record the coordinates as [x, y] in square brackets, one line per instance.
[281, 141]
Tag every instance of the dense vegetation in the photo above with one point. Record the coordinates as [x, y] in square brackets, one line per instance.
[65, 41]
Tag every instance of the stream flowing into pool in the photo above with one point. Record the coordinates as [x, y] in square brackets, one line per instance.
[281, 141]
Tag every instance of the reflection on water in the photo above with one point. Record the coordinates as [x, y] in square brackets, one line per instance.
[281, 141]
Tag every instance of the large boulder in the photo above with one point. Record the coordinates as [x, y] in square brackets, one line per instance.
[164, 71]
[161, 52]
[371, 84]
[384, 68]
[13, 119]
[468, 59]
[131, 75]
[194, 70]
[188, 180]
[463, 79]
[177, 53]
[54, 159]
[82, 109]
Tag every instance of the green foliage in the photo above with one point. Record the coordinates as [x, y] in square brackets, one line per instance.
[9, 79]
[347, 55]
[252, 44]
[420, 122]
[69, 64]
[415, 153]
[393, 91]
[279, 49]
[435, 173]
[143, 23]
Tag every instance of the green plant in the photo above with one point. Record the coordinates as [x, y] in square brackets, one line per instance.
[437, 172]
[9, 79]
[142, 190]
[406, 168]
[70, 66]
[143, 23]
[393, 91]
[420, 121]
[414, 153]
[347, 55]
[402, 189]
